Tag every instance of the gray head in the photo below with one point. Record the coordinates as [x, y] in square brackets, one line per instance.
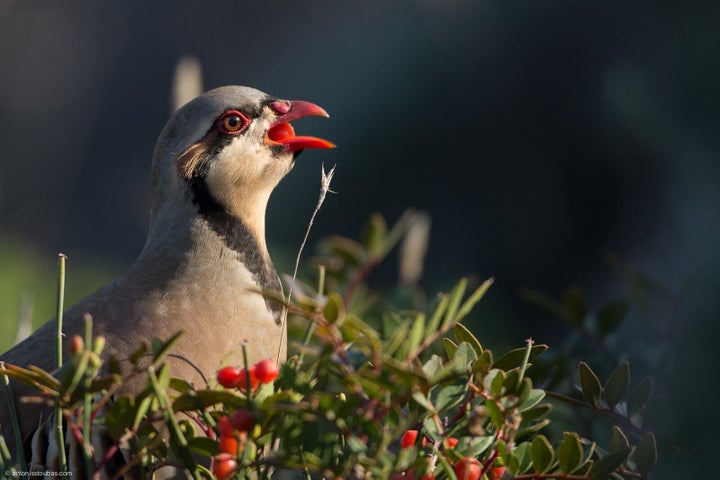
[228, 147]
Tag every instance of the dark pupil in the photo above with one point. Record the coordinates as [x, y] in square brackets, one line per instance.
[233, 121]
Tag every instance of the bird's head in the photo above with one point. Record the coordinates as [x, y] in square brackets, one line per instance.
[228, 149]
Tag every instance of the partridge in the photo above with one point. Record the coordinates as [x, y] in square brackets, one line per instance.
[205, 260]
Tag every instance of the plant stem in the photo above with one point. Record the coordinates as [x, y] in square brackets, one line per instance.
[325, 180]
[175, 429]
[60, 308]
[610, 413]
[87, 405]
[62, 458]
[12, 413]
[530, 342]
[6, 461]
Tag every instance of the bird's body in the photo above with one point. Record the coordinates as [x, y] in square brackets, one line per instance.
[205, 260]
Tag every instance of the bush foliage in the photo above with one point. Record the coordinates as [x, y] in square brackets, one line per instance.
[359, 377]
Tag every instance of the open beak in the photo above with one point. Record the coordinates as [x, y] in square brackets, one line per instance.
[281, 132]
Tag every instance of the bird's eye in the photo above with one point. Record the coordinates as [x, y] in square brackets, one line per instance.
[232, 122]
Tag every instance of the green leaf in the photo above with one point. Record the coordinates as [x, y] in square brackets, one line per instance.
[646, 454]
[609, 463]
[484, 362]
[495, 414]
[471, 301]
[180, 385]
[358, 330]
[197, 400]
[463, 358]
[431, 428]
[543, 301]
[397, 335]
[31, 378]
[543, 455]
[534, 413]
[618, 441]
[521, 459]
[119, 416]
[417, 333]
[160, 349]
[611, 316]
[138, 354]
[355, 445]
[512, 381]
[639, 396]
[527, 432]
[569, 452]
[334, 310]
[462, 334]
[478, 445]
[455, 298]
[142, 409]
[42, 377]
[514, 358]
[617, 384]
[73, 372]
[423, 401]
[490, 378]
[432, 366]
[451, 395]
[536, 396]
[450, 347]
[434, 322]
[575, 306]
[347, 250]
[204, 446]
[525, 390]
[374, 236]
[590, 384]
[496, 386]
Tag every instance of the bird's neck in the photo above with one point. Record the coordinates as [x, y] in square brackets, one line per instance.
[202, 232]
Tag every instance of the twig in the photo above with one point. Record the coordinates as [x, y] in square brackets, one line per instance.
[325, 180]
[609, 413]
[62, 458]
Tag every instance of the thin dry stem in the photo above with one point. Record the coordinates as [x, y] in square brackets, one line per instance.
[325, 179]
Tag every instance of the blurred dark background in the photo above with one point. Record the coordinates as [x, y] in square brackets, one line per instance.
[542, 138]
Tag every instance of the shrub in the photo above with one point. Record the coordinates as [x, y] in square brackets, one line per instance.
[361, 378]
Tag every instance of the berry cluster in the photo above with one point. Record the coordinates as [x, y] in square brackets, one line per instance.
[232, 430]
[468, 468]
[265, 371]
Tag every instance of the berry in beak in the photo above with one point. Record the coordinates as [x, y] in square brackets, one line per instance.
[281, 132]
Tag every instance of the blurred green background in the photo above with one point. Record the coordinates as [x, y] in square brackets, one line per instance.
[541, 137]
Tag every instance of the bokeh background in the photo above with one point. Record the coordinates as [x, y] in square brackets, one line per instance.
[543, 138]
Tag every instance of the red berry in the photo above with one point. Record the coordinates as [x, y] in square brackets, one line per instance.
[228, 444]
[225, 427]
[76, 344]
[229, 377]
[254, 382]
[409, 438]
[242, 420]
[452, 442]
[266, 370]
[467, 469]
[496, 473]
[224, 466]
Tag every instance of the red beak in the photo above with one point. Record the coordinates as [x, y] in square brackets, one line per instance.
[282, 133]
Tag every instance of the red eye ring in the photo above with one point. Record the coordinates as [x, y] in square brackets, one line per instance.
[232, 122]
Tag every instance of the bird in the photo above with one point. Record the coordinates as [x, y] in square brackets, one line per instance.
[205, 262]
